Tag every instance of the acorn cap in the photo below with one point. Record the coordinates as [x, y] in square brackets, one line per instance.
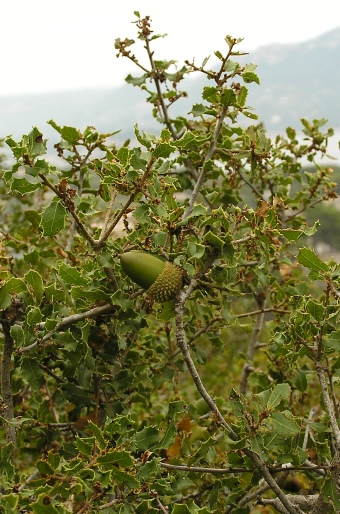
[161, 279]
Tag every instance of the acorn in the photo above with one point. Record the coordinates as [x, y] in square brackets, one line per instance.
[162, 279]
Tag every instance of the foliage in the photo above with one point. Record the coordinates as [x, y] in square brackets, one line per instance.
[221, 400]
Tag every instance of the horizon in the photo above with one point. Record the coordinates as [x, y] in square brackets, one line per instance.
[63, 52]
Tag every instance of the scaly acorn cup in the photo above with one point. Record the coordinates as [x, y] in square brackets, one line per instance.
[161, 279]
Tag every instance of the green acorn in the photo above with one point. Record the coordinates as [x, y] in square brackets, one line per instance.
[161, 279]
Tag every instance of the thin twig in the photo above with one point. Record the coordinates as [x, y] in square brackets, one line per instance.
[80, 225]
[328, 403]
[161, 507]
[253, 344]
[183, 345]
[70, 320]
[208, 156]
[139, 187]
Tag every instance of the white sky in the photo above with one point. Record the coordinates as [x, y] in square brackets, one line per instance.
[51, 45]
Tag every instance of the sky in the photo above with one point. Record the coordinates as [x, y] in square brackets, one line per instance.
[59, 45]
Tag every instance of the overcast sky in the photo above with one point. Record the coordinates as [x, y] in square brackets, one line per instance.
[51, 45]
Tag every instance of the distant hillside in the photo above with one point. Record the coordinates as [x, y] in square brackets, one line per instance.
[298, 80]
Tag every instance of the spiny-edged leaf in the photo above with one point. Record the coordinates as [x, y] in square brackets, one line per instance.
[22, 186]
[44, 467]
[213, 239]
[146, 438]
[283, 424]
[180, 508]
[144, 138]
[123, 155]
[210, 93]
[122, 458]
[228, 97]
[166, 311]
[121, 477]
[332, 341]
[32, 373]
[98, 434]
[71, 275]
[12, 286]
[136, 81]
[186, 140]
[169, 436]
[279, 393]
[195, 250]
[142, 214]
[330, 493]
[85, 445]
[316, 310]
[77, 395]
[164, 150]
[308, 258]
[176, 407]
[198, 210]
[242, 96]
[5, 297]
[249, 76]
[70, 134]
[44, 506]
[36, 143]
[33, 278]
[198, 109]
[33, 217]
[34, 316]
[10, 503]
[53, 218]
[56, 127]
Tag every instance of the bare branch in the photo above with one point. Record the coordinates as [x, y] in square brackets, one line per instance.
[328, 403]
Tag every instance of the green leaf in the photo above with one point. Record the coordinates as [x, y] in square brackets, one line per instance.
[77, 395]
[330, 493]
[22, 186]
[164, 150]
[122, 458]
[198, 109]
[34, 316]
[213, 239]
[124, 478]
[195, 250]
[33, 278]
[228, 97]
[316, 310]
[146, 438]
[179, 508]
[137, 81]
[70, 134]
[249, 76]
[85, 445]
[198, 210]
[32, 373]
[210, 93]
[308, 258]
[142, 214]
[12, 286]
[43, 505]
[332, 341]
[53, 218]
[71, 275]
[283, 424]
[279, 393]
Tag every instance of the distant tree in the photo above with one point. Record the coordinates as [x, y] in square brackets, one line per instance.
[223, 398]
